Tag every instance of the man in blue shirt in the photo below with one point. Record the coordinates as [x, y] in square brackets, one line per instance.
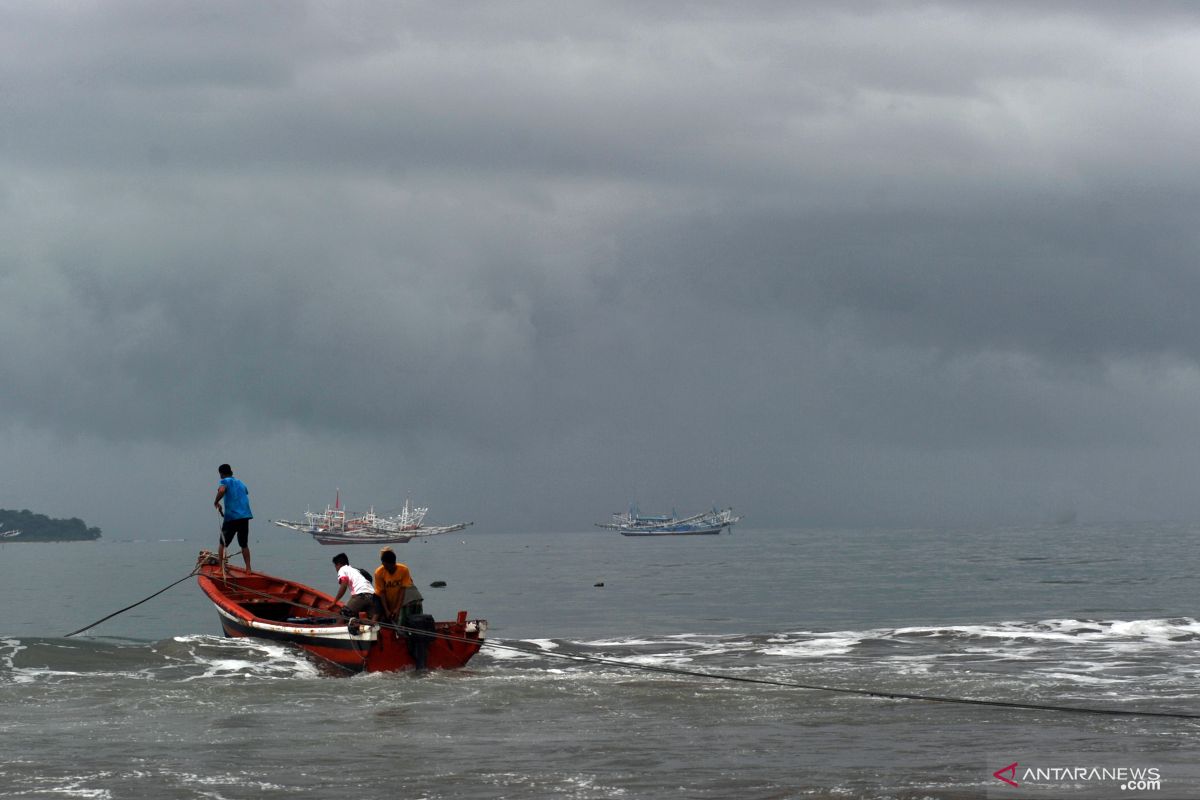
[236, 514]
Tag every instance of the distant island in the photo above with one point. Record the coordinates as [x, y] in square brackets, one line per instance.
[26, 526]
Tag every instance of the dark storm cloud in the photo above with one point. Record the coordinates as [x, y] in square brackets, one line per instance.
[867, 261]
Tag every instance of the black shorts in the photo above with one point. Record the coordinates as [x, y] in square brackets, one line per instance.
[238, 527]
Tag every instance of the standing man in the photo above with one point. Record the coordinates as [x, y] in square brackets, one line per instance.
[237, 514]
[392, 581]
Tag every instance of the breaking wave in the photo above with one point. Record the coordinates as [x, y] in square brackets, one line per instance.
[1113, 660]
[1057, 657]
[181, 658]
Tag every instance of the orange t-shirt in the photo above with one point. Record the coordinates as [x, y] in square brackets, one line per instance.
[390, 585]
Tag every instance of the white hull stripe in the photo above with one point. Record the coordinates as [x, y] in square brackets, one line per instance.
[330, 633]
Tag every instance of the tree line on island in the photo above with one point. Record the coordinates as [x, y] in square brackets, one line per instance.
[40, 528]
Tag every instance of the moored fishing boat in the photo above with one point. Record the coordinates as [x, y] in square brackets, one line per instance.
[335, 525]
[634, 523]
[265, 607]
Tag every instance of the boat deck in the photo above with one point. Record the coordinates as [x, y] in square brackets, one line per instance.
[277, 600]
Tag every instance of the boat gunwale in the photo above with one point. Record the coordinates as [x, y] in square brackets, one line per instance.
[210, 584]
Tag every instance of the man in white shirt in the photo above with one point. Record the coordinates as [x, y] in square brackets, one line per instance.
[362, 593]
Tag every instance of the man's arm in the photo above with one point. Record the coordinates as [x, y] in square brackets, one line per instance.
[217, 502]
[378, 586]
[342, 584]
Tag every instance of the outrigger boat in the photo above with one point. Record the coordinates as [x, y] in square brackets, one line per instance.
[634, 523]
[335, 526]
[265, 607]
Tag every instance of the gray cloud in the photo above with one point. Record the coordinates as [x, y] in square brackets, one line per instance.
[854, 263]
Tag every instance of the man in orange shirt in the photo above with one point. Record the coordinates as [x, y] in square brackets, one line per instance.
[392, 583]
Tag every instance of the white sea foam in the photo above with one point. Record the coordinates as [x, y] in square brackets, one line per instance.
[1158, 630]
[589, 787]
[1077, 678]
[631, 642]
[219, 657]
[74, 786]
[1002, 631]
[1073, 646]
[1082, 652]
[10, 648]
[505, 654]
[228, 780]
[660, 660]
[911, 665]
[831, 645]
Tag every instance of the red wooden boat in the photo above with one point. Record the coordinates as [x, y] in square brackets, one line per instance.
[266, 607]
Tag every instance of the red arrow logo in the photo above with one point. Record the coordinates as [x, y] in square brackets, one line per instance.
[1011, 769]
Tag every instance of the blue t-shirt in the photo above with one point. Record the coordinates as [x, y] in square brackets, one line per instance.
[237, 499]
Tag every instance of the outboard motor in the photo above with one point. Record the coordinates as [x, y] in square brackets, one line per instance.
[421, 628]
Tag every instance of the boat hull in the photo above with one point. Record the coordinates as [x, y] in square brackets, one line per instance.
[698, 532]
[371, 535]
[352, 537]
[275, 609]
[706, 523]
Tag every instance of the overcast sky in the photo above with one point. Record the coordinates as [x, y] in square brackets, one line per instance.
[828, 263]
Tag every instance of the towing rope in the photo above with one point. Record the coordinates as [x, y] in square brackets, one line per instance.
[612, 662]
[1124, 712]
[200, 561]
[135, 605]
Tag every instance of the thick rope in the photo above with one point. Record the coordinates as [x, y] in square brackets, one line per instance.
[135, 605]
[860, 692]
[201, 560]
[611, 662]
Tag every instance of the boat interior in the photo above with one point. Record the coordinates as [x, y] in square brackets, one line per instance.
[279, 601]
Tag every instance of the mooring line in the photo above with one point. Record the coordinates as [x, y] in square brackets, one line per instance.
[612, 662]
[1112, 712]
[847, 690]
[126, 608]
[191, 574]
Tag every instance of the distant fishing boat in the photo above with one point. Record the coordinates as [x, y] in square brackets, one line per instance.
[10, 534]
[706, 523]
[335, 525]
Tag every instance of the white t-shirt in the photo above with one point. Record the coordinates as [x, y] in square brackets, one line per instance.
[358, 584]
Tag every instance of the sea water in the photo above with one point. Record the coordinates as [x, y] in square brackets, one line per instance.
[155, 703]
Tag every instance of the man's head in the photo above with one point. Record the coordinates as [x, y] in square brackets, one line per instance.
[387, 556]
[225, 470]
[340, 560]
